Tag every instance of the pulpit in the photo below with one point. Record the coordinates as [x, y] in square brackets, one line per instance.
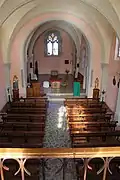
[34, 90]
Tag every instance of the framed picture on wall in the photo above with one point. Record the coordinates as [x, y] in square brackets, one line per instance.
[66, 61]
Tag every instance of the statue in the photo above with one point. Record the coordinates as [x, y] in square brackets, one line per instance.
[96, 83]
[15, 82]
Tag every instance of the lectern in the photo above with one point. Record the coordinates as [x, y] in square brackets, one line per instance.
[34, 90]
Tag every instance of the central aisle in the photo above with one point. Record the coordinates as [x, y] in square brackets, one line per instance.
[56, 130]
[57, 136]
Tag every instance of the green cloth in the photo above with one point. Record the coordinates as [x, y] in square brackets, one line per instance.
[76, 89]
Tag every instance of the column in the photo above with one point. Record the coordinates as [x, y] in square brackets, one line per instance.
[7, 79]
[85, 77]
[30, 61]
[104, 79]
[77, 67]
[117, 112]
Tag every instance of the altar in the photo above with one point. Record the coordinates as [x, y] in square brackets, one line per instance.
[55, 84]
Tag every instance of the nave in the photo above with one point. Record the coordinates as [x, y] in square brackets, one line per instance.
[74, 122]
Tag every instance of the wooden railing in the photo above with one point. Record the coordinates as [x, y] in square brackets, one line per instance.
[60, 152]
[106, 154]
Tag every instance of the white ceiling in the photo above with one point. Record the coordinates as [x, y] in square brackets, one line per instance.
[109, 8]
[100, 15]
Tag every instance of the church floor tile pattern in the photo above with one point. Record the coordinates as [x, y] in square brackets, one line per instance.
[57, 136]
[56, 132]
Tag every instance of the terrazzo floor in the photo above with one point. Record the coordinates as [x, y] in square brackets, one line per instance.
[57, 136]
[56, 131]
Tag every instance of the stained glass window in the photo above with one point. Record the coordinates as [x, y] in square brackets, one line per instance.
[52, 43]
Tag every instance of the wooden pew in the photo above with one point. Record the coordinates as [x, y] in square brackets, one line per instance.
[22, 133]
[88, 116]
[101, 125]
[85, 101]
[21, 141]
[23, 123]
[88, 134]
[28, 102]
[90, 119]
[25, 119]
[27, 110]
[22, 126]
[85, 110]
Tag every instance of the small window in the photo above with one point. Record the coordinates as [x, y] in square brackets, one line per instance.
[117, 49]
[52, 43]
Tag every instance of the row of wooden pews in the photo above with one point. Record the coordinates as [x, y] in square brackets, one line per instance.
[91, 123]
[23, 123]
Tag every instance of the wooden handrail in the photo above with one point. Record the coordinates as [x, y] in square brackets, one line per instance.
[59, 152]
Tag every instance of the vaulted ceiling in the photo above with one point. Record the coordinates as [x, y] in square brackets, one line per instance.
[109, 8]
[102, 16]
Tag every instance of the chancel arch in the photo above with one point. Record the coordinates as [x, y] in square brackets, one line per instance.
[88, 35]
[73, 32]
[60, 25]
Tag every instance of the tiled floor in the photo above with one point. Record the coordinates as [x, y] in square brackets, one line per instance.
[56, 132]
[57, 136]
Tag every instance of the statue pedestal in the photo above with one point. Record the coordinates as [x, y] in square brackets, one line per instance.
[15, 94]
[96, 93]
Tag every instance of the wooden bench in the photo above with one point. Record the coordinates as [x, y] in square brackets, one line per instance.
[107, 143]
[22, 133]
[23, 123]
[86, 109]
[22, 126]
[25, 115]
[84, 104]
[20, 145]
[90, 119]
[81, 99]
[88, 134]
[18, 137]
[19, 104]
[20, 141]
[27, 110]
[25, 119]
[88, 116]
[91, 125]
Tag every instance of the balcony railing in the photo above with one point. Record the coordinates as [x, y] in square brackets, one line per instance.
[81, 157]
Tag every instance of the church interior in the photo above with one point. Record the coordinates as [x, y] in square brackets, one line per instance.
[60, 90]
